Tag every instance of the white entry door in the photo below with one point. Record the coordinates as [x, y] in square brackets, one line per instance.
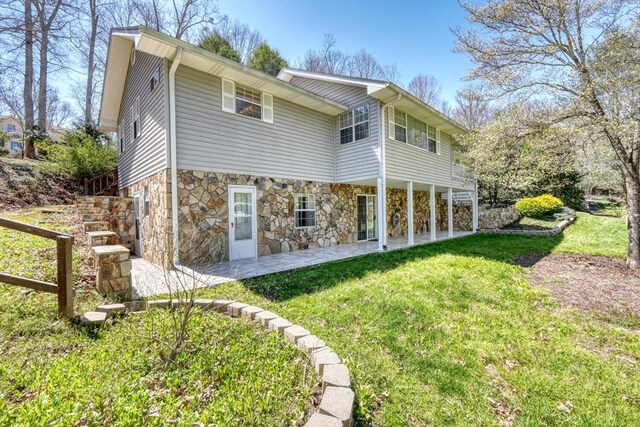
[138, 242]
[243, 224]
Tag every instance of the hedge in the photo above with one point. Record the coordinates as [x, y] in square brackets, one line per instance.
[536, 207]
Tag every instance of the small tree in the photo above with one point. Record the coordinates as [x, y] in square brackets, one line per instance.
[267, 60]
[216, 43]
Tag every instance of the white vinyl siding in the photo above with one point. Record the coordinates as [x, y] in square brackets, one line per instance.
[149, 154]
[357, 160]
[298, 145]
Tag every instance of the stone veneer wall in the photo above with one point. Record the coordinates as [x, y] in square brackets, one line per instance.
[155, 227]
[491, 218]
[117, 211]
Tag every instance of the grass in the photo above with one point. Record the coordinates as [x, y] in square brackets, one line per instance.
[608, 208]
[56, 373]
[442, 334]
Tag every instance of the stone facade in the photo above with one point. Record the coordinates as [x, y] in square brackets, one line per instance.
[155, 228]
[493, 218]
[113, 268]
[204, 214]
[117, 212]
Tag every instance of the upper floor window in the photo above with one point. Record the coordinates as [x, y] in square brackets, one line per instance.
[155, 78]
[120, 138]
[136, 128]
[10, 127]
[354, 124]
[397, 124]
[247, 101]
[305, 210]
[433, 140]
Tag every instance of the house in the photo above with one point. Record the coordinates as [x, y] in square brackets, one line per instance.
[240, 164]
[13, 127]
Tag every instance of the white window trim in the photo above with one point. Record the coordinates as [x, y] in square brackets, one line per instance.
[133, 56]
[309, 196]
[135, 118]
[121, 139]
[155, 76]
[392, 125]
[228, 92]
[353, 124]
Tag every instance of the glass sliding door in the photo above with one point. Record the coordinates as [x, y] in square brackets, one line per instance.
[366, 217]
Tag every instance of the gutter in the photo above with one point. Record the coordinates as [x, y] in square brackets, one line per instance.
[174, 155]
[382, 180]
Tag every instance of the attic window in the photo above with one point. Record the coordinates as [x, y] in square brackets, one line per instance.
[155, 78]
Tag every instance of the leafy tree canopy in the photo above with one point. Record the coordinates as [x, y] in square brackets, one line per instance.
[218, 44]
[267, 60]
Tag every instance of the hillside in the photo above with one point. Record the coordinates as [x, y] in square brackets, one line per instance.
[24, 184]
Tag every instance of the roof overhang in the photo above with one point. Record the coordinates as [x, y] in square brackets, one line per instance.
[122, 40]
[385, 91]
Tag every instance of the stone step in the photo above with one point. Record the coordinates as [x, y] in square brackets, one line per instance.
[92, 217]
[96, 226]
[101, 238]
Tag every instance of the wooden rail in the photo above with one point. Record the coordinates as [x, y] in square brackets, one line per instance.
[64, 286]
[105, 184]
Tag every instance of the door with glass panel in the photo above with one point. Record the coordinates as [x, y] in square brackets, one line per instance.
[243, 241]
[366, 217]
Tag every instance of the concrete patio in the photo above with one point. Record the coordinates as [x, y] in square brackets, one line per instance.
[149, 279]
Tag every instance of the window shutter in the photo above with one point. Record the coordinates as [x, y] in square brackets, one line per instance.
[228, 96]
[132, 118]
[437, 140]
[391, 112]
[267, 107]
[138, 116]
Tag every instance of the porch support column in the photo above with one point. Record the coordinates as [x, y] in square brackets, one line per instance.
[410, 212]
[432, 211]
[474, 209]
[382, 215]
[450, 211]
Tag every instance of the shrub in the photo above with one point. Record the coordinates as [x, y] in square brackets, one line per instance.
[564, 213]
[536, 207]
[81, 156]
[4, 151]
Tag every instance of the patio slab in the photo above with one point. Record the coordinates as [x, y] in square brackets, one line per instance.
[149, 279]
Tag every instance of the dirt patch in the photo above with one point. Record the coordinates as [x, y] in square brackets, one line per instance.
[588, 282]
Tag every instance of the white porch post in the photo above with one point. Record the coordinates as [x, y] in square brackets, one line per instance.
[450, 211]
[474, 209]
[410, 212]
[382, 214]
[432, 211]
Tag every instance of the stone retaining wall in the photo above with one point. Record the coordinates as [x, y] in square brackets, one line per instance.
[495, 218]
[116, 211]
[337, 399]
[559, 228]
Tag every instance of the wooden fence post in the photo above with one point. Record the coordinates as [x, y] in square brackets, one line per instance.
[64, 245]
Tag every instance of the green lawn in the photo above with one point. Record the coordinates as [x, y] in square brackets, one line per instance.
[443, 334]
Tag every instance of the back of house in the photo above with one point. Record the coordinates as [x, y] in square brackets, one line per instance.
[226, 162]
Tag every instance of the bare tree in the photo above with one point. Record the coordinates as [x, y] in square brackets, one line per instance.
[180, 18]
[472, 109]
[27, 92]
[328, 59]
[58, 111]
[584, 55]
[427, 88]
[241, 37]
[364, 65]
[391, 73]
[91, 66]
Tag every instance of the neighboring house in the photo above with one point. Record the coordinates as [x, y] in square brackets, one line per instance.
[13, 127]
[217, 153]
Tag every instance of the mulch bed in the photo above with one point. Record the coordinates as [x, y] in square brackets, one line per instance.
[588, 282]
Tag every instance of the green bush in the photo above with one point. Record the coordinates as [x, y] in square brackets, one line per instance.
[82, 156]
[4, 152]
[536, 207]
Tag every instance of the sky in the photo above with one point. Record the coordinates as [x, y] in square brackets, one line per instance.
[415, 35]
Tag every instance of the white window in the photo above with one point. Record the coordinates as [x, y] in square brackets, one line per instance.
[433, 144]
[155, 78]
[305, 210]
[136, 128]
[354, 124]
[247, 101]
[10, 127]
[146, 200]
[397, 125]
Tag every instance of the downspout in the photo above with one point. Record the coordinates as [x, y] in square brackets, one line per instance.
[174, 155]
[382, 180]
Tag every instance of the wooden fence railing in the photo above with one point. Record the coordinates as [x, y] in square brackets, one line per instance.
[102, 185]
[64, 286]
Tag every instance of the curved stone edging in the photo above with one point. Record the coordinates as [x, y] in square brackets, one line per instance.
[336, 402]
[559, 228]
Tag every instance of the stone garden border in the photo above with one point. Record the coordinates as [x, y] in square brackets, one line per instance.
[559, 228]
[337, 397]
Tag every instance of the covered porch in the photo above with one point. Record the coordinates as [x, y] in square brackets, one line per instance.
[149, 279]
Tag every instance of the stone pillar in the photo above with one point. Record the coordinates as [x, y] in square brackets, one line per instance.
[382, 215]
[410, 212]
[450, 211]
[474, 208]
[432, 212]
[113, 275]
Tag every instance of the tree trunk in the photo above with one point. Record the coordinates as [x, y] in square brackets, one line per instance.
[42, 84]
[88, 106]
[633, 221]
[29, 148]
